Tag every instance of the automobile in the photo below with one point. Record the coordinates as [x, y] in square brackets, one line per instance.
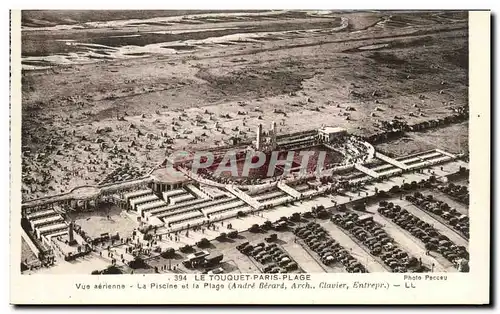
[302, 234]
[315, 245]
[291, 266]
[343, 251]
[321, 247]
[385, 241]
[321, 234]
[266, 226]
[218, 270]
[268, 268]
[255, 228]
[336, 251]
[275, 270]
[280, 225]
[261, 244]
[371, 242]
[256, 250]
[446, 253]
[432, 233]
[312, 242]
[307, 215]
[348, 224]
[286, 259]
[271, 246]
[446, 215]
[212, 260]
[452, 257]
[310, 224]
[296, 231]
[295, 217]
[325, 251]
[461, 248]
[442, 237]
[283, 255]
[420, 234]
[260, 254]
[247, 249]
[265, 259]
[242, 246]
[275, 251]
[273, 237]
[327, 260]
[378, 231]
[310, 237]
[445, 243]
[194, 257]
[414, 230]
[363, 236]
[329, 241]
[283, 263]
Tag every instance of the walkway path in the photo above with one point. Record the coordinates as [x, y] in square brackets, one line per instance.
[391, 161]
[361, 255]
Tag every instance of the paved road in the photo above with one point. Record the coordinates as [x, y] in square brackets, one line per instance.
[306, 262]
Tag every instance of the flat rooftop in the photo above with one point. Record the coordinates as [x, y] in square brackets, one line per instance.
[331, 129]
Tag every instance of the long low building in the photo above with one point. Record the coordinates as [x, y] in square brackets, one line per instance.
[181, 198]
[145, 208]
[40, 222]
[142, 200]
[41, 214]
[169, 194]
[136, 194]
[50, 229]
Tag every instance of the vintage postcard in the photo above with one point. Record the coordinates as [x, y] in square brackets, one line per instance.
[250, 157]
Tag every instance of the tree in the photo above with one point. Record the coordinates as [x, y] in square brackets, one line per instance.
[112, 270]
[222, 236]
[168, 253]
[138, 262]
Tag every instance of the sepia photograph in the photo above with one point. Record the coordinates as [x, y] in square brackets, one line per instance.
[245, 144]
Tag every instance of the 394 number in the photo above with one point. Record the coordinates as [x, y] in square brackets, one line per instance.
[180, 277]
